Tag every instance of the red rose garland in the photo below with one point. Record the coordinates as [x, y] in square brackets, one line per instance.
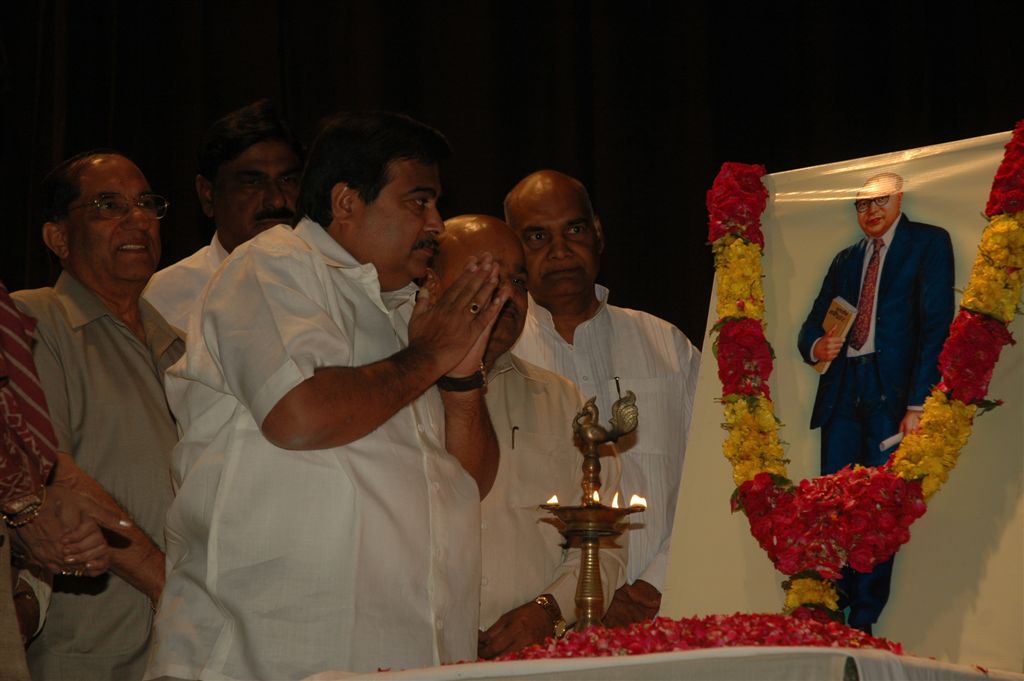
[858, 516]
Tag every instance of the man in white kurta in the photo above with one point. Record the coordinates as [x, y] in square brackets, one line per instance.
[248, 181]
[310, 551]
[528, 583]
[656, 361]
[572, 330]
[175, 290]
[532, 410]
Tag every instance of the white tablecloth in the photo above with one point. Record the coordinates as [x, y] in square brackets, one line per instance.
[717, 664]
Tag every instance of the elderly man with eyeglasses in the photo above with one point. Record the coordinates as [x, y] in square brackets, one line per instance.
[900, 278]
[101, 353]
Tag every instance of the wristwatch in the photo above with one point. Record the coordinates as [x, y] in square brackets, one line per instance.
[547, 601]
[475, 380]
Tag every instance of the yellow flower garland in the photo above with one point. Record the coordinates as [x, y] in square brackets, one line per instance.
[929, 454]
[998, 270]
[752, 445]
[740, 293]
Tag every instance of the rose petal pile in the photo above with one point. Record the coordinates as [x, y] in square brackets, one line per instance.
[663, 635]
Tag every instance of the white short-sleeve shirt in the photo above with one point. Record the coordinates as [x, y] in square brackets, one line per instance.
[175, 290]
[283, 563]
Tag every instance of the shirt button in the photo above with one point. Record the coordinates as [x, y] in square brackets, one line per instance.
[419, 427]
[437, 486]
[484, 582]
[439, 624]
[483, 525]
[586, 378]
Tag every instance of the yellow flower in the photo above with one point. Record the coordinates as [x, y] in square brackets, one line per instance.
[752, 445]
[740, 292]
[810, 591]
[931, 453]
[998, 271]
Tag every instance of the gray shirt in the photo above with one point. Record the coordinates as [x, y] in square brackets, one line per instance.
[105, 392]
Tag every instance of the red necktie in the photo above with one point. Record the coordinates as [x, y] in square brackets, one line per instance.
[865, 308]
[27, 440]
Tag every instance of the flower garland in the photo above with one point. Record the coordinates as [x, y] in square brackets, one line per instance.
[857, 516]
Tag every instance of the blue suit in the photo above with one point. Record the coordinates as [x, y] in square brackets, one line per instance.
[861, 401]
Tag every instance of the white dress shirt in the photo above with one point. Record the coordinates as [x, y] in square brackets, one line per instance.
[175, 290]
[283, 563]
[532, 411]
[656, 361]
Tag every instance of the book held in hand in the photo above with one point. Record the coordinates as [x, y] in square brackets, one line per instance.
[838, 320]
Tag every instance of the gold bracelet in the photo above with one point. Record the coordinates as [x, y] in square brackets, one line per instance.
[27, 514]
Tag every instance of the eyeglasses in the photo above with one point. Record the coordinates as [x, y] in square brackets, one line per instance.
[863, 204]
[116, 206]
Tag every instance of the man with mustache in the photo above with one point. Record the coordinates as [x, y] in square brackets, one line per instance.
[573, 331]
[529, 583]
[101, 352]
[336, 443]
[249, 170]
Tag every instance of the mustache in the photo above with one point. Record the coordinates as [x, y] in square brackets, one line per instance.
[426, 243]
[282, 213]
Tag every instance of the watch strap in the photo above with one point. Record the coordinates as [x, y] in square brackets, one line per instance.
[550, 605]
[475, 380]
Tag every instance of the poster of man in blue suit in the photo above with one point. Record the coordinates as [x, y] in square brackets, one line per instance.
[900, 279]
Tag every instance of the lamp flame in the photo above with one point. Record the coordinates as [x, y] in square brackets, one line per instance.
[637, 500]
[615, 500]
[553, 500]
[596, 497]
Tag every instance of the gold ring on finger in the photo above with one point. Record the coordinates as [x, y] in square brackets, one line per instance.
[78, 573]
[474, 309]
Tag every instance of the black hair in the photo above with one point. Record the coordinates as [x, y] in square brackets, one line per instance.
[61, 184]
[231, 135]
[357, 148]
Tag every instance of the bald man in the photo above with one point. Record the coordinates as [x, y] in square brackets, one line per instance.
[572, 330]
[528, 582]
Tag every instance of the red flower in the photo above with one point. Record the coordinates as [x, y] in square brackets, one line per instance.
[969, 355]
[805, 627]
[735, 203]
[744, 358]
[856, 517]
[1007, 194]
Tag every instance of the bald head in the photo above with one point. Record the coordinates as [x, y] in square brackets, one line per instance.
[470, 236]
[540, 187]
[552, 215]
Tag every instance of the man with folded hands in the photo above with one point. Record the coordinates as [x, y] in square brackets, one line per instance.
[329, 484]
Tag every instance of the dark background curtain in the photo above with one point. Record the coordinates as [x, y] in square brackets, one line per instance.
[642, 101]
